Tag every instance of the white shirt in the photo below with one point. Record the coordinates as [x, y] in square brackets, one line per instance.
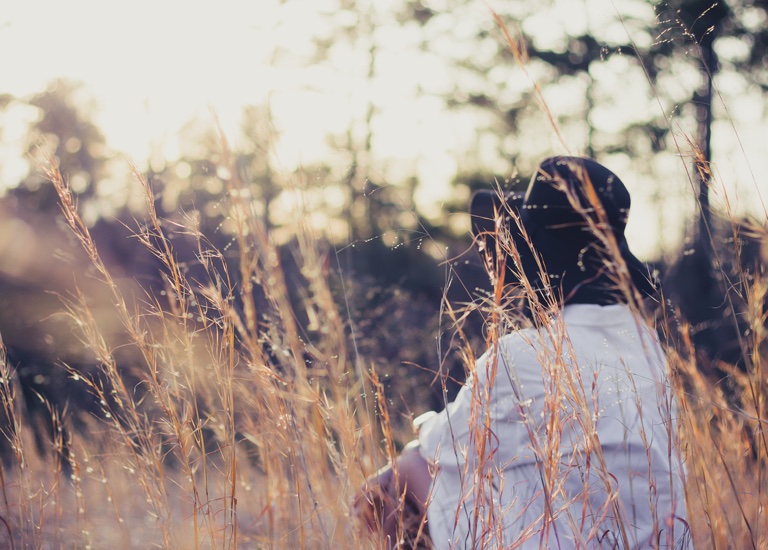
[549, 423]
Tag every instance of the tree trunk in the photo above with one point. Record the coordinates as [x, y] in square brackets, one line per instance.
[704, 111]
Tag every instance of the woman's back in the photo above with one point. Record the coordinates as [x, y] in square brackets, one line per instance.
[552, 422]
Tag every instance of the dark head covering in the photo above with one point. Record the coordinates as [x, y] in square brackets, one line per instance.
[571, 209]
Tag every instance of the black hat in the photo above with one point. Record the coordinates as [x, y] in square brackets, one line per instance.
[570, 211]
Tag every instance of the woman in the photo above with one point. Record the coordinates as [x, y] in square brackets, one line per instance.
[563, 435]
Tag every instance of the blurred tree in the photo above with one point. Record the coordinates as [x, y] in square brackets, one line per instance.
[391, 260]
[718, 37]
[700, 28]
[254, 159]
[616, 81]
[65, 129]
[560, 50]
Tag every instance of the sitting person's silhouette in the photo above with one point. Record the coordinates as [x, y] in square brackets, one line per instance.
[564, 433]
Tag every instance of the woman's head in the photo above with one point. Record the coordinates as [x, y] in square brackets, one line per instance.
[565, 235]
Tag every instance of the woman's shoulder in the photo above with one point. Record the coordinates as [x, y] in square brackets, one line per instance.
[516, 347]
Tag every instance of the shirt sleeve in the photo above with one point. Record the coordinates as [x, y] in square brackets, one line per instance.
[449, 429]
[489, 396]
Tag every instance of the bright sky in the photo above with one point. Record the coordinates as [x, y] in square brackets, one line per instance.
[153, 65]
[150, 65]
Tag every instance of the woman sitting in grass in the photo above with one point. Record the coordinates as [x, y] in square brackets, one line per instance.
[564, 434]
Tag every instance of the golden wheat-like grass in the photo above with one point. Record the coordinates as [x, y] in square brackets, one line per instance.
[245, 431]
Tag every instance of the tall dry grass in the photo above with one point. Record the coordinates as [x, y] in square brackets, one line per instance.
[244, 429]
[247, 430]
[723, 413]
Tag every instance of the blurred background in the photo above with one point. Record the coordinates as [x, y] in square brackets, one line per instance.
[372, 123]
